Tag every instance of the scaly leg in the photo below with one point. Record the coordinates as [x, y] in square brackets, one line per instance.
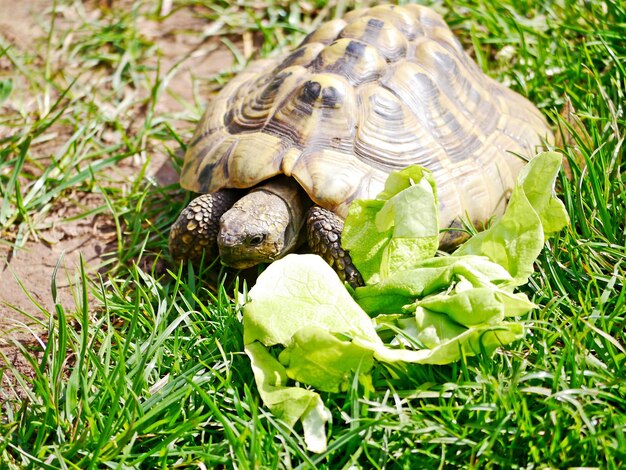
[195, 230]
[324, 235]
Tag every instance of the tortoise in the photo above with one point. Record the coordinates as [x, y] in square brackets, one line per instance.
[292, 141]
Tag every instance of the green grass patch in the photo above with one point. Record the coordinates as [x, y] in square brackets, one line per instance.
[146, 369]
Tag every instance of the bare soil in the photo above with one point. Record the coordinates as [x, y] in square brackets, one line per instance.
[26, 275]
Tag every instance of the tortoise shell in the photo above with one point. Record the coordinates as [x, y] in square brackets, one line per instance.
[378, 90]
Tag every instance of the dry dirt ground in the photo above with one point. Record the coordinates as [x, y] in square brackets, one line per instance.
[26, 274]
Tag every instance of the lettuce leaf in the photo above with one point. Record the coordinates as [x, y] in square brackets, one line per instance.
[302, 326]
[301, 291]
[289, 403]
[430, 276]
[300, 303]
[399, 227]
[533, 212]
[327, 338]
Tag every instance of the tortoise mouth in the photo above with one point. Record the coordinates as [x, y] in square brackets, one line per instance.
[237, 261]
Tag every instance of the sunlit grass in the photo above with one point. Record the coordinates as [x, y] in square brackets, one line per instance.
[146, 369]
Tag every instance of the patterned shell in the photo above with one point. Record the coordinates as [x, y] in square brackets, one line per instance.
[378, 90]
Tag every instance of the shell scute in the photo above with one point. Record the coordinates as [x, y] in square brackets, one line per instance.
[352, 59]
[379, 34]
[390, 136]
[326, 33]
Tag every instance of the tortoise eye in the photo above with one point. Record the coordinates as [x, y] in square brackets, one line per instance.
[256, 240]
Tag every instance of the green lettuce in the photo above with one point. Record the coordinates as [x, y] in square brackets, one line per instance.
[304, 331]
[300, 303]
[533, 213]
[326, 338]
[397, 229]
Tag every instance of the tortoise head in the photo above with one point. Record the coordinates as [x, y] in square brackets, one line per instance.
[262, 226]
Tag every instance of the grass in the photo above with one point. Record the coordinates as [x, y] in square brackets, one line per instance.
[146, 369]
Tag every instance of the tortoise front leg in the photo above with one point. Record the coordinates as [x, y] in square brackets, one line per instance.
[195, 231]
[324, 234]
